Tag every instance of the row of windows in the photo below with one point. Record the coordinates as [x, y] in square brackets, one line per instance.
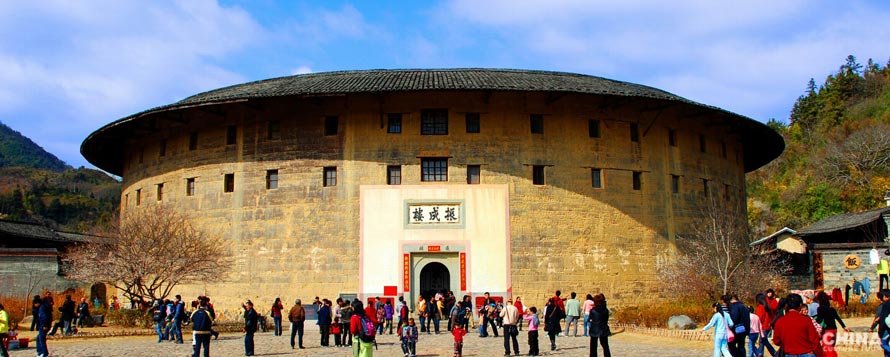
[436, 170]
[435, 122]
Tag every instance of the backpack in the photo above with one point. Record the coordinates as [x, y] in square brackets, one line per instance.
[367, 331]
[381, 313]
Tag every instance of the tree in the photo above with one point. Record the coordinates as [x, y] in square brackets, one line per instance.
[150, 253]
[715, 258]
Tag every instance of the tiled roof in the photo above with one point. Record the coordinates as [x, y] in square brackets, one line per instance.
[27, 230]
[102, 146]
[844, 221]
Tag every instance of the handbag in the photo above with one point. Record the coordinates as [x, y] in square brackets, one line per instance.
[730, 335]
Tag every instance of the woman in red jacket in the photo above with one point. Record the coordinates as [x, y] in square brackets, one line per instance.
[767, 314]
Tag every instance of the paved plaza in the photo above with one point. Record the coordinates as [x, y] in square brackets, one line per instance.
[624, 344]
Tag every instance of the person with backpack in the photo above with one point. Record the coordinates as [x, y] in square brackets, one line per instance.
[363, 330]
[346, 315]
[158, 316]
[201, 329]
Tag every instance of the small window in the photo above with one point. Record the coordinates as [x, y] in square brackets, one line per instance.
[331, 124]
[672, 137]
[160, 192]
[162, 151]
[675, 184]
[394, 175]
[704, 187]
[596, 178]
[229, 183]
[473, 173]
[274, 130]
[139, 197]
[141, 155]
[536, 121]
[126, 199]
[472, 123]
[231, 134]
[434, 122]
[638, 180]
[701, 143]
[394, 123]
[634, 132]
[330, 176]
[538, 175]
[193, 141]
[434, 169]
[190, 186]
[593, 128]
[271, 179]
[723, 149]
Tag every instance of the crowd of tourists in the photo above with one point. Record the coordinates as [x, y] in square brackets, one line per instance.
[795, 325]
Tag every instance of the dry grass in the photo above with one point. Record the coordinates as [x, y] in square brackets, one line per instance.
[19, 307]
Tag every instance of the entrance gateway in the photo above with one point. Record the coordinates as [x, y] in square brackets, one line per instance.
[416, 239]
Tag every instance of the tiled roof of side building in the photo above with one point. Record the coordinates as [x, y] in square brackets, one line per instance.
[844, 221]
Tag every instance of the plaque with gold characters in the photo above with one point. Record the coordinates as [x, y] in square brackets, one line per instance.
[852, 261]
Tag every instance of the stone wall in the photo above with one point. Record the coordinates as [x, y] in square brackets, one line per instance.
[25, 271]
[835, 273]
[302, 239]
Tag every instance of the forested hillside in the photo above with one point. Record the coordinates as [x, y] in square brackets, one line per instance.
[35, 186]
[837, 157]
[18, 150]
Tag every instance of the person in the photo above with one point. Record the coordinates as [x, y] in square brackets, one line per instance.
[381, 314]
[324, 323]
[827, 316]
[766, 313]
[250, 323]
[599, 325]
[113, 305]
[201, 329]
[176, 320]
[883, 269]
[296, 317]
[403, 312]
[277, 306]
[83, 313]
[553, 314]
[755, 334]
[388, 314]
[35, 309]
[408, 335]
[422, 312]
[794, 332]
[212, 312]
[719, 321]
[585, 311]
[484, 316]
[360, 347]
[468, 315]
[531, 316]
[67, 316]
[518, 303]
[159, 314]
[4, 331]
[337, 332]
[509, 319]
[804, 310]
[573, 313]
[459, 334]
[874, 322]
[739, 314]
[44, 320]
[437, 306]
[883, 328]
[812, 305]
[345, 317]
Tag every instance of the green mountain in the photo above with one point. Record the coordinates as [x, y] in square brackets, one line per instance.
[18, 150]
[35, 186]
[837, 157]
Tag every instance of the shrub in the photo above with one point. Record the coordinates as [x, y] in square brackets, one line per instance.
[129, 318]
[657, 314]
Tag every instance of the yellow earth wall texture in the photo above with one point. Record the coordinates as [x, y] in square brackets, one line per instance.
[302, 239]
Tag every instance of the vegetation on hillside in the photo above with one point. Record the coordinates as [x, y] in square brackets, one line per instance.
[837, 157]
[18, 150]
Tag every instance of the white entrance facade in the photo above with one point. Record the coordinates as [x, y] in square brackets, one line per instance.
[434, 237]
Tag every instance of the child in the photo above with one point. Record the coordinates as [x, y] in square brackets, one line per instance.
[458, 333]
[531, 315]
[337, 331]
[408, 335]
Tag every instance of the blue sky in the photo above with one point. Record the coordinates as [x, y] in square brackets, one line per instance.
[70, 67]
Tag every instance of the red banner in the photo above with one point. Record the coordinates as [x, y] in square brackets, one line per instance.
[463, 271]
[406, 272]
[434, 248]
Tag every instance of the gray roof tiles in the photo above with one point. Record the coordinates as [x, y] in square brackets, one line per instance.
[844, 221]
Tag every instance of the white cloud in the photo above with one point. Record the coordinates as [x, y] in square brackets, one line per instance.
[301, 70]
[67, 68]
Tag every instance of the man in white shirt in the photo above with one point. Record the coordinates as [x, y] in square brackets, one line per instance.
[510, 316]
[573, 312]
